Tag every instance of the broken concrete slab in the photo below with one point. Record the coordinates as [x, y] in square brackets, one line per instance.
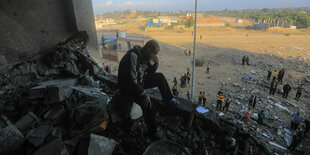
[11, 140]
[55, 114]
[26, 122]
[54, 147]
[37, 135]
[100, 145]
[277, 145]
[53, 91]
[57, 132]
[135, 111]
[287, 102]
[89, 91]
[84, 113]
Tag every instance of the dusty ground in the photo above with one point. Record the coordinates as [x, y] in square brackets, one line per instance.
[225, 41]
[223, 48]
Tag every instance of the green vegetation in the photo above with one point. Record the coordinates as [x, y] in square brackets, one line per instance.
[299, 17]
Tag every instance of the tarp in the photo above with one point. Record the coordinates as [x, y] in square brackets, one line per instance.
[109, 40]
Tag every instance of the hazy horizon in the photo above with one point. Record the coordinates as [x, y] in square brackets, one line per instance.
[103, 6]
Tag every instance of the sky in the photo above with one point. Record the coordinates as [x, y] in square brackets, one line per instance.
[102, 6]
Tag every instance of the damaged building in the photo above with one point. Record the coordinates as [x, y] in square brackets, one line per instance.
[60, 101]
[55, 99]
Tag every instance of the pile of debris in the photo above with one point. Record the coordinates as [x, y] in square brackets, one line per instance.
[57, 103]
[276, 134]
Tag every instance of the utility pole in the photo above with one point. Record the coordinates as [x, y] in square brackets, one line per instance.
[193, 70]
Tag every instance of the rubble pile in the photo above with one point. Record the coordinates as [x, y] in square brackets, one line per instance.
[58, 103]
[276, 134]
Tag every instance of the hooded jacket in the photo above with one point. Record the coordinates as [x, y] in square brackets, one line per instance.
[132, 71]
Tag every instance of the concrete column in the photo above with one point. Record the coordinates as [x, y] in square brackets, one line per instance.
[85, 21]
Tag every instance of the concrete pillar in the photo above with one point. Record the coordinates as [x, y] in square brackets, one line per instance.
[85, 21]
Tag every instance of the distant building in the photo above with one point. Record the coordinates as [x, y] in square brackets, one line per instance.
[100, 23]
[263, 23]
[115, 48]
[154, 22]
[261, 26]
[173, 20]
[124, 44]
[206, 23]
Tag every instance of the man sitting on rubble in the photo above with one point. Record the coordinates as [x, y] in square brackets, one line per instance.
[136, 72]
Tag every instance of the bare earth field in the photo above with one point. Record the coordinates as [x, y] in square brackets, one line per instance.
[222, 43]
[223, 48]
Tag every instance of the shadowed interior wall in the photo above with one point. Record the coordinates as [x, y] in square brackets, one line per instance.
[30, 27]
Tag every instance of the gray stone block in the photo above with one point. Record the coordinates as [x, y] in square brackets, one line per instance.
[53, 91]
[26, 122]
[11, 139]
[54, 147]
[37, 135]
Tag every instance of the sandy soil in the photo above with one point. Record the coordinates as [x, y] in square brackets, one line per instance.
[223, 48]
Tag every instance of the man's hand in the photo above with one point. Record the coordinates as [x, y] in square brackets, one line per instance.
[155, 60]
[147, 100]
[152, 65]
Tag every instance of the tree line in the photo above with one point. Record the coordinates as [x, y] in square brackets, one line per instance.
[299, 17]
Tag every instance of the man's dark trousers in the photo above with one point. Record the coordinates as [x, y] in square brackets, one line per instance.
[158, 80]
[150, 81]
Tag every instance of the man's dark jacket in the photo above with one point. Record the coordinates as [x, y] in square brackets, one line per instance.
[286, 88]
[132, 71]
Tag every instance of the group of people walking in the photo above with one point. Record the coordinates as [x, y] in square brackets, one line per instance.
[278, 78]
[185, 79]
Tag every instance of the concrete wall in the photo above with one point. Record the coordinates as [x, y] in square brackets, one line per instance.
[85, 21]
[30, 27]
